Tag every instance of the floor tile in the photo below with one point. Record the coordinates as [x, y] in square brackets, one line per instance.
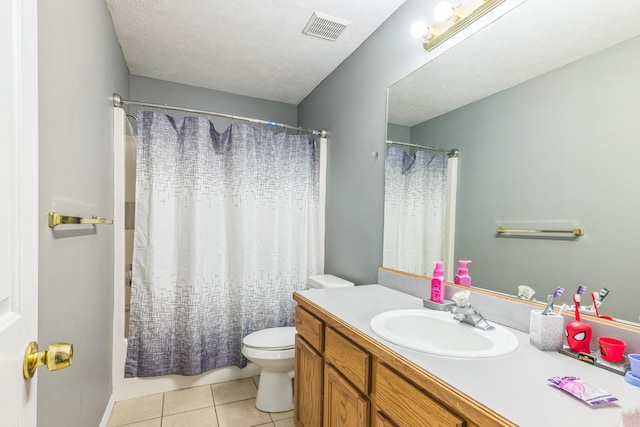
[275, 416]
[264, 425]
[134, 410]
[256, 380]
[241, 414]
[156, 422]
[205, 417]
[287, 422]
[188, 399]
[234, 391]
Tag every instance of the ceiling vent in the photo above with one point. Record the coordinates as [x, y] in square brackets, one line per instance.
[325, 26]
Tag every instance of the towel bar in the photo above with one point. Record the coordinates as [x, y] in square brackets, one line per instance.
[578, 231]
[56, 219]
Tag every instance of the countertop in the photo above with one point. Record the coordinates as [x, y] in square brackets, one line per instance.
[514, 385]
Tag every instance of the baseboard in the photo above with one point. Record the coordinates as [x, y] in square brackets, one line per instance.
[107, 411]
[130, 388]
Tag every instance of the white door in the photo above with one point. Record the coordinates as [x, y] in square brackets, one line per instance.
[18, 207]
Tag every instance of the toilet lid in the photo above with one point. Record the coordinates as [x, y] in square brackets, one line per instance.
[272, 338]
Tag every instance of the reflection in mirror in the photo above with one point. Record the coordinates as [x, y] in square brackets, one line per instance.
[549, 136]
[415, 207]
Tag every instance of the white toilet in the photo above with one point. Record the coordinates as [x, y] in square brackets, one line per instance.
[272, 350]
[323, 281]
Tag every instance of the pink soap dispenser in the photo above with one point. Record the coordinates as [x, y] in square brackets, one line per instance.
[463, 278]
[437, 284]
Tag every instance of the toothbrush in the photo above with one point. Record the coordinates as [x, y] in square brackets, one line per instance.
[562, 308]
[597, 298]
[550, 299]
[603, 294]
[578, 333]
[576, 304]
[580, 291]
[594, 297]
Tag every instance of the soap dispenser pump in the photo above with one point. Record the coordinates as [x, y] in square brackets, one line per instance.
[463, 278]
[437, 284]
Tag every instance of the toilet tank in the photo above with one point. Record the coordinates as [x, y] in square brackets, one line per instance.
[327, 281]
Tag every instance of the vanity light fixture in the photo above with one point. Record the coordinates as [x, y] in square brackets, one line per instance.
[451, 20]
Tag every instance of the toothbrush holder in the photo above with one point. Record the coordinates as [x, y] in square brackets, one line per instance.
[546, 332]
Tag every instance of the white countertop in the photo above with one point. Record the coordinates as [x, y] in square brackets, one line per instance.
[514, 385]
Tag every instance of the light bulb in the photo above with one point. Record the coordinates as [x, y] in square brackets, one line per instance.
[419, 29]
[443, 11]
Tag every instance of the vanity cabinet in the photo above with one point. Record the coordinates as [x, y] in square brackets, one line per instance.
[406, 404]
[344, 378]
[307, 389]
[344, 405]
[309, 367]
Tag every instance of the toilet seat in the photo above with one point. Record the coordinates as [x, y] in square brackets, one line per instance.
[256, 353]
[272, 339]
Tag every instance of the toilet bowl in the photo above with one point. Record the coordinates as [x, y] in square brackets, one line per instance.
[272, 350]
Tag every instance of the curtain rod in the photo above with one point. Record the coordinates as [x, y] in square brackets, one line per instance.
[454, 152]
[119, 102]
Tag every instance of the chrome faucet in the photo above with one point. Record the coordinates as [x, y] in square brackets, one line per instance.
[466, 313]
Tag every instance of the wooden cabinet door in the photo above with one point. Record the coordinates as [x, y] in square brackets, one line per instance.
[343, 404]
[381, 421]
[307, 390]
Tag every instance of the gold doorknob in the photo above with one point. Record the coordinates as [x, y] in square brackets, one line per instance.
[59, 356]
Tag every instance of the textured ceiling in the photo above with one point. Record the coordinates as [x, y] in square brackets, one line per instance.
[536, 37]
[247, 47]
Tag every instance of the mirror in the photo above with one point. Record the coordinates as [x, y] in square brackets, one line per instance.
[546, 115]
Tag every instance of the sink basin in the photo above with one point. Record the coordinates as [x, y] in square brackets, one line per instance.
[437, 332]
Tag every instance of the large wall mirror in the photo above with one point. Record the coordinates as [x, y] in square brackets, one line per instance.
[544, 106]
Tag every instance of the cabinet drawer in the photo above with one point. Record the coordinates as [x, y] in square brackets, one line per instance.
[349, 359]
[406, 404]
[310, 328]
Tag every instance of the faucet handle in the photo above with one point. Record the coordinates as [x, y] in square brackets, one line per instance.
[461, 298]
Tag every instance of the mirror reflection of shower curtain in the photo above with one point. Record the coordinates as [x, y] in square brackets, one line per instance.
[414, 210]
[227, 227]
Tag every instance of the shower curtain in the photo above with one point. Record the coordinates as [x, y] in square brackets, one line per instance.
[226, 229]
[414, 210]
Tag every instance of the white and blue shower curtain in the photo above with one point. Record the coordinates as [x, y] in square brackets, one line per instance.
[414, 210]
[227, 227]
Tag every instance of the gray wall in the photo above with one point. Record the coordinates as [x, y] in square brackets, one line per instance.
[80, 66]
[563, 146]
[180, 95]
[351, 104]
[398, 133]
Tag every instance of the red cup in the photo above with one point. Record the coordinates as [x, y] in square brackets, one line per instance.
[611, 349]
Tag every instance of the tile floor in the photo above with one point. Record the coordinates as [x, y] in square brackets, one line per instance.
[229, 404]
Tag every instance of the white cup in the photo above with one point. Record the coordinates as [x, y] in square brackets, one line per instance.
[546, 332]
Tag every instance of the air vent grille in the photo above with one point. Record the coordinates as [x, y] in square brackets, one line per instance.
[325, 26]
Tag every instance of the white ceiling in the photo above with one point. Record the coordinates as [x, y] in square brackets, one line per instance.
[246, 47]
[536, 37]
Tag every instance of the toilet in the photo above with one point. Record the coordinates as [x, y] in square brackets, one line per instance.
[272, 350]
[325, 281]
